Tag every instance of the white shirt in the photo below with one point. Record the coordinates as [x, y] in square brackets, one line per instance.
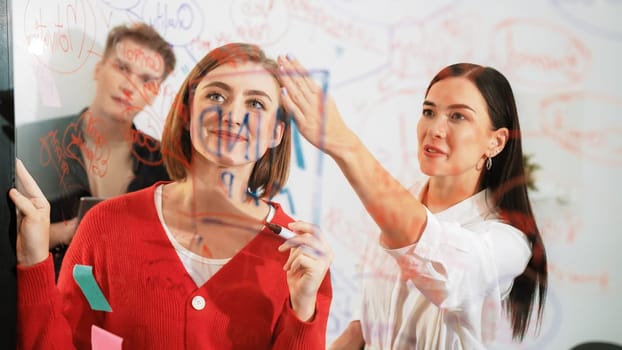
[445, 291]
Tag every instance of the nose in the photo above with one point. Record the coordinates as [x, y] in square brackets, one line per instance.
[132, 83]
[438, 127]
[128, 86]
[127, 92]
[235, 115]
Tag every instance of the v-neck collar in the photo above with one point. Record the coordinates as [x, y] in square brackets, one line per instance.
[252, 248]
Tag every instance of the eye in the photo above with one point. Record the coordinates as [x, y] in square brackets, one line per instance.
[216, 97]
[147, 79]
[457, 116]
[427, 112]
[122, 67]
[256, 104]
[152, 85]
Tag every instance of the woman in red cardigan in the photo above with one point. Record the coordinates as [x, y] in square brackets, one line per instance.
[196, 263]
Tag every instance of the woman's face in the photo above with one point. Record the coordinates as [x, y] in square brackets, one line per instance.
[233, 116]
[455, 132]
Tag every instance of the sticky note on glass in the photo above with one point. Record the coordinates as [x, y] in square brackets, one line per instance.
[83, 275]
[47, 87]
[101, 339]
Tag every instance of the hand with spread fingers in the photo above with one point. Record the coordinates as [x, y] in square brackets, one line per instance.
[33, 223]
[309, 259]
[314, 112]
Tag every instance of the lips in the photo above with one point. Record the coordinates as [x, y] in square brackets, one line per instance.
[122, 101]
[432, 151]
[228, 135]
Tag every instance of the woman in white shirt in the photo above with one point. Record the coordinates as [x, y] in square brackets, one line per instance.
[461, 248]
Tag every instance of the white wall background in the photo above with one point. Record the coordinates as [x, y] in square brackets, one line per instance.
[562, 58]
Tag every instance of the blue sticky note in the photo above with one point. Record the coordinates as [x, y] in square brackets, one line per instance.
[83, 275]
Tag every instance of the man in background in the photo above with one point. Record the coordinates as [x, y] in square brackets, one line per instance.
[98, 152]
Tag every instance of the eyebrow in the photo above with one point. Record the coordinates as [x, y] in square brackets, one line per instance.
[227, 88]
[146, 76]
[257, 93]
[453, 106]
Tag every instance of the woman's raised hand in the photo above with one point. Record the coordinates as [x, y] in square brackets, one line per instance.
[314, 112]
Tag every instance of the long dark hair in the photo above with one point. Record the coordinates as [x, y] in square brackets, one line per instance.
[507, 181]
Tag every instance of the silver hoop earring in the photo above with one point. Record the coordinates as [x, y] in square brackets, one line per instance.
[488, 163]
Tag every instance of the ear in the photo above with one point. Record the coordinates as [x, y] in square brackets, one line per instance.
[498, 140]
[277, 135]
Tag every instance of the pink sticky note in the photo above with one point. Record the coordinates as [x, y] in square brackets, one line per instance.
[48, 92]
[101, 339]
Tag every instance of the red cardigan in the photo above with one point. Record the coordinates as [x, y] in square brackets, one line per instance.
[246, 302]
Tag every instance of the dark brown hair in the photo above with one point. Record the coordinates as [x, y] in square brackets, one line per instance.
[270, 172]
[508, 183]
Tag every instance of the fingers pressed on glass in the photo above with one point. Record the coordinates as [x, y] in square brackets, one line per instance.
[26, 184]
[292, 88]
[305, 75]
[22, 204]
[298, 78]
[290, 105]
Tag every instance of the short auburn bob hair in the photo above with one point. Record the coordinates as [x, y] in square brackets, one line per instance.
[271, 171]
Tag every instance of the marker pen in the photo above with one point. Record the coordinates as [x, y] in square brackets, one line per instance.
[281, 231]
